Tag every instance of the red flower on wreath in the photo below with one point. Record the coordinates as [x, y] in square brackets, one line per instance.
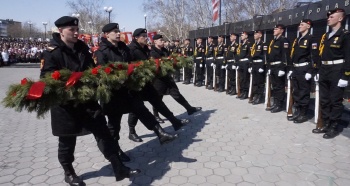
[108, 70]
[14, 94]
[24, 81]
[99, 66]
[56, 75]
[111, 65]
[120, 67]
[94, 71]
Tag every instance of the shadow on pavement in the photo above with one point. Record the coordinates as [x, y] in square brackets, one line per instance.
[153, 159]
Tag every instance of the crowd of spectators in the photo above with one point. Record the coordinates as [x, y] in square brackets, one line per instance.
[16, 50]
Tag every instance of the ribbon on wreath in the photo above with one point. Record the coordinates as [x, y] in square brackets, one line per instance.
[74, 78]
[36, 90]
[157, 61]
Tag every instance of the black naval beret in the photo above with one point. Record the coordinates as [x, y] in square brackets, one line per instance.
[187, 39]
[233, 34]
[139, 31]
[280, 26]
[330, 12]
[212, 37]
[307, 21]
[244, 32]
[66, 21]
[258, 31]
[110, 26]
[222, 36]
[157, 36]
[176, 40]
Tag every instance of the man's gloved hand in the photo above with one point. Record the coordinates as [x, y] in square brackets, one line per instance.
[289, 74]
[250, 70]
[223, 66]
[281, 73]
[200, 65]
[308, 76]
[261, 70]
[234, 67]
[342, 83]
[269, 72]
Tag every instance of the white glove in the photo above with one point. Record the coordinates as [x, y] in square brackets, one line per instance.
[308, 76]
[226, 67]
[261, 70]
[281, 73]
[234, 67]
[200, 65]
[269, 72]
[289, 74]
[223, 67]
[237, 67]
[250, 70]
[317, 76]
[214, 66]
[211, 64]
[342, 83]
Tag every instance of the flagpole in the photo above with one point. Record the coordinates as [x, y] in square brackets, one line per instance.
[220, 13]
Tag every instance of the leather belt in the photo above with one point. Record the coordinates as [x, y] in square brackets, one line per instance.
[231, 60]
[210, 58]
[258, 61]
[220, 57]
[198, 57]
[300, 64]
[243, 60]
[275, 63]
[334, 62]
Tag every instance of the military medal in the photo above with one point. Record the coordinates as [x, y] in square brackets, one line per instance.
[335, 40]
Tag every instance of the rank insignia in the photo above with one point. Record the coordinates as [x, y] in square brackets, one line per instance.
[285, 45]
[314, 46]
[305, 42]
[336, 39]
[259, 46]
[265, 48]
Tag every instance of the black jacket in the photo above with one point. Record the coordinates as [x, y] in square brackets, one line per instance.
[138, 52]
[69, 119]
[107, 52]
[279, 51]
[165, 83]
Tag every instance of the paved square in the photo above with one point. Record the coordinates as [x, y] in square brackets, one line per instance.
[229, 143]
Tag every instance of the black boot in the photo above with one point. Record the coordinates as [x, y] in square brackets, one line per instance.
[274, 104]
[296, 114]
[163, 136]
[156, 115]
[133, 136]
[332, 132]
[192, 110]
[258, 100]
[123, 157]
[277, 108]
[70, 177]
[234, 92]
[244, 95]
[302, 116]
[255, 97]
[323, 129]
[210, 87]
[120, 170]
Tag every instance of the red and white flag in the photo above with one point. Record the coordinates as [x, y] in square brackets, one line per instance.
[215, 4]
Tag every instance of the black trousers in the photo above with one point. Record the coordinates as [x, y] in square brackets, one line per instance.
[175, 93]
[148, 93]
[188, 74]
[177, 74]
[278, 84]
[199, 70]
[301, 87]
[105, 142]
[258, 78]
[231, 75]
[220, 72]
[331, 96]
[244, 76]
[209, 71]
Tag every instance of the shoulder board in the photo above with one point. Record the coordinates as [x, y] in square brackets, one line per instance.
[51, 48]
[345, 31]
